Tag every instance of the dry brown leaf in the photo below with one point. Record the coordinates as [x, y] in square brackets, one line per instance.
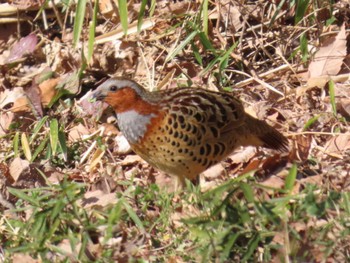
[34, 98]
[25, 4]
[55, 177]
[252, 166]
[338, 144]
[107, 7]
[23, 258]
[131, 159]
[24, 46]
[231, 16]
[343, 107]
[329, 58]
[8, 98]
[98, 198]
[274, 182]
[18, 99]
[302, 146]
[5, 121]
[316, 179]
[77, 132]
[17, 167]
[48, 90]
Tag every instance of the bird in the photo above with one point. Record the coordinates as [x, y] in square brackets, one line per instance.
[184, 131]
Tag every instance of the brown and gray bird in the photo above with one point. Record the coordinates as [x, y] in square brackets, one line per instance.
[184, 131]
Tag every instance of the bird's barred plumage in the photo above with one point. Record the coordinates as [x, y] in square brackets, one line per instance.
[184, 131]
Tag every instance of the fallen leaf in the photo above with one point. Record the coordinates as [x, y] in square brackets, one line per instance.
[98, 198]
[107, 7]
[131, 159]
[316, 180]
[77, 132]
[24, 46]
[23, 258]
[5, 172]
[338, 144]
[48, 90]
[329, 58]
[301, 149]
[343, 106]
[273, 182]
[5, 121]
[17, 167]
[231, 16]
[34, 99]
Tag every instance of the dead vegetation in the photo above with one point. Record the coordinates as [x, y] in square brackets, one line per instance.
[70, 189]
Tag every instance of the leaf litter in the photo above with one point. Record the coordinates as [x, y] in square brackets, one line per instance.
[320, 140]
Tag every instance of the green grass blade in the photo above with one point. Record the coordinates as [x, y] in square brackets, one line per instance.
[248, 192]
[181, 46]
[346, 200]
[197, 54]
[304, 48]
[141, 15]
[15, 144]
[133, 216]
[20, 194]
[79, 20]
[113, 219]
[310, 122]
[123, 13]
[40, 148]
[278, 9]
[37, 128]
[225, 57]
[54, 135]
[331, 86]
[63, 144]
[290, 179]
[251, 247]
[153, 7]
[92, 29]
[205, 41]
[301, 8]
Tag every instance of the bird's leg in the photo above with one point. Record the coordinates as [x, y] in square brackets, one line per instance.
[179, 183]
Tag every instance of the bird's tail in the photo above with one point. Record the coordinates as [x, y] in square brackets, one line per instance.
[262, 134]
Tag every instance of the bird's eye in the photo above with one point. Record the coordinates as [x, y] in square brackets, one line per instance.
[113, 88]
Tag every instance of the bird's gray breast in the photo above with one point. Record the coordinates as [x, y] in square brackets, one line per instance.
[133, 125]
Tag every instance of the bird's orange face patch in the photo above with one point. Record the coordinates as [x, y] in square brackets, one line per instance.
[126, 99]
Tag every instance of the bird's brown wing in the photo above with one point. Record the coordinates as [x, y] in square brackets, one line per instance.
[218, 113]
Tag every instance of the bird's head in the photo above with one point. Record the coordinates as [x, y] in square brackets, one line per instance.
[122, 94]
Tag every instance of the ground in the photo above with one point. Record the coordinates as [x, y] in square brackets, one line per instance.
[72, 190]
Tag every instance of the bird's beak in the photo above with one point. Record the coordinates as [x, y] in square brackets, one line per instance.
[98, 95]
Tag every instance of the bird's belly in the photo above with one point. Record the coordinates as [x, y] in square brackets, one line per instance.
[176, 157]
[172, 164]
